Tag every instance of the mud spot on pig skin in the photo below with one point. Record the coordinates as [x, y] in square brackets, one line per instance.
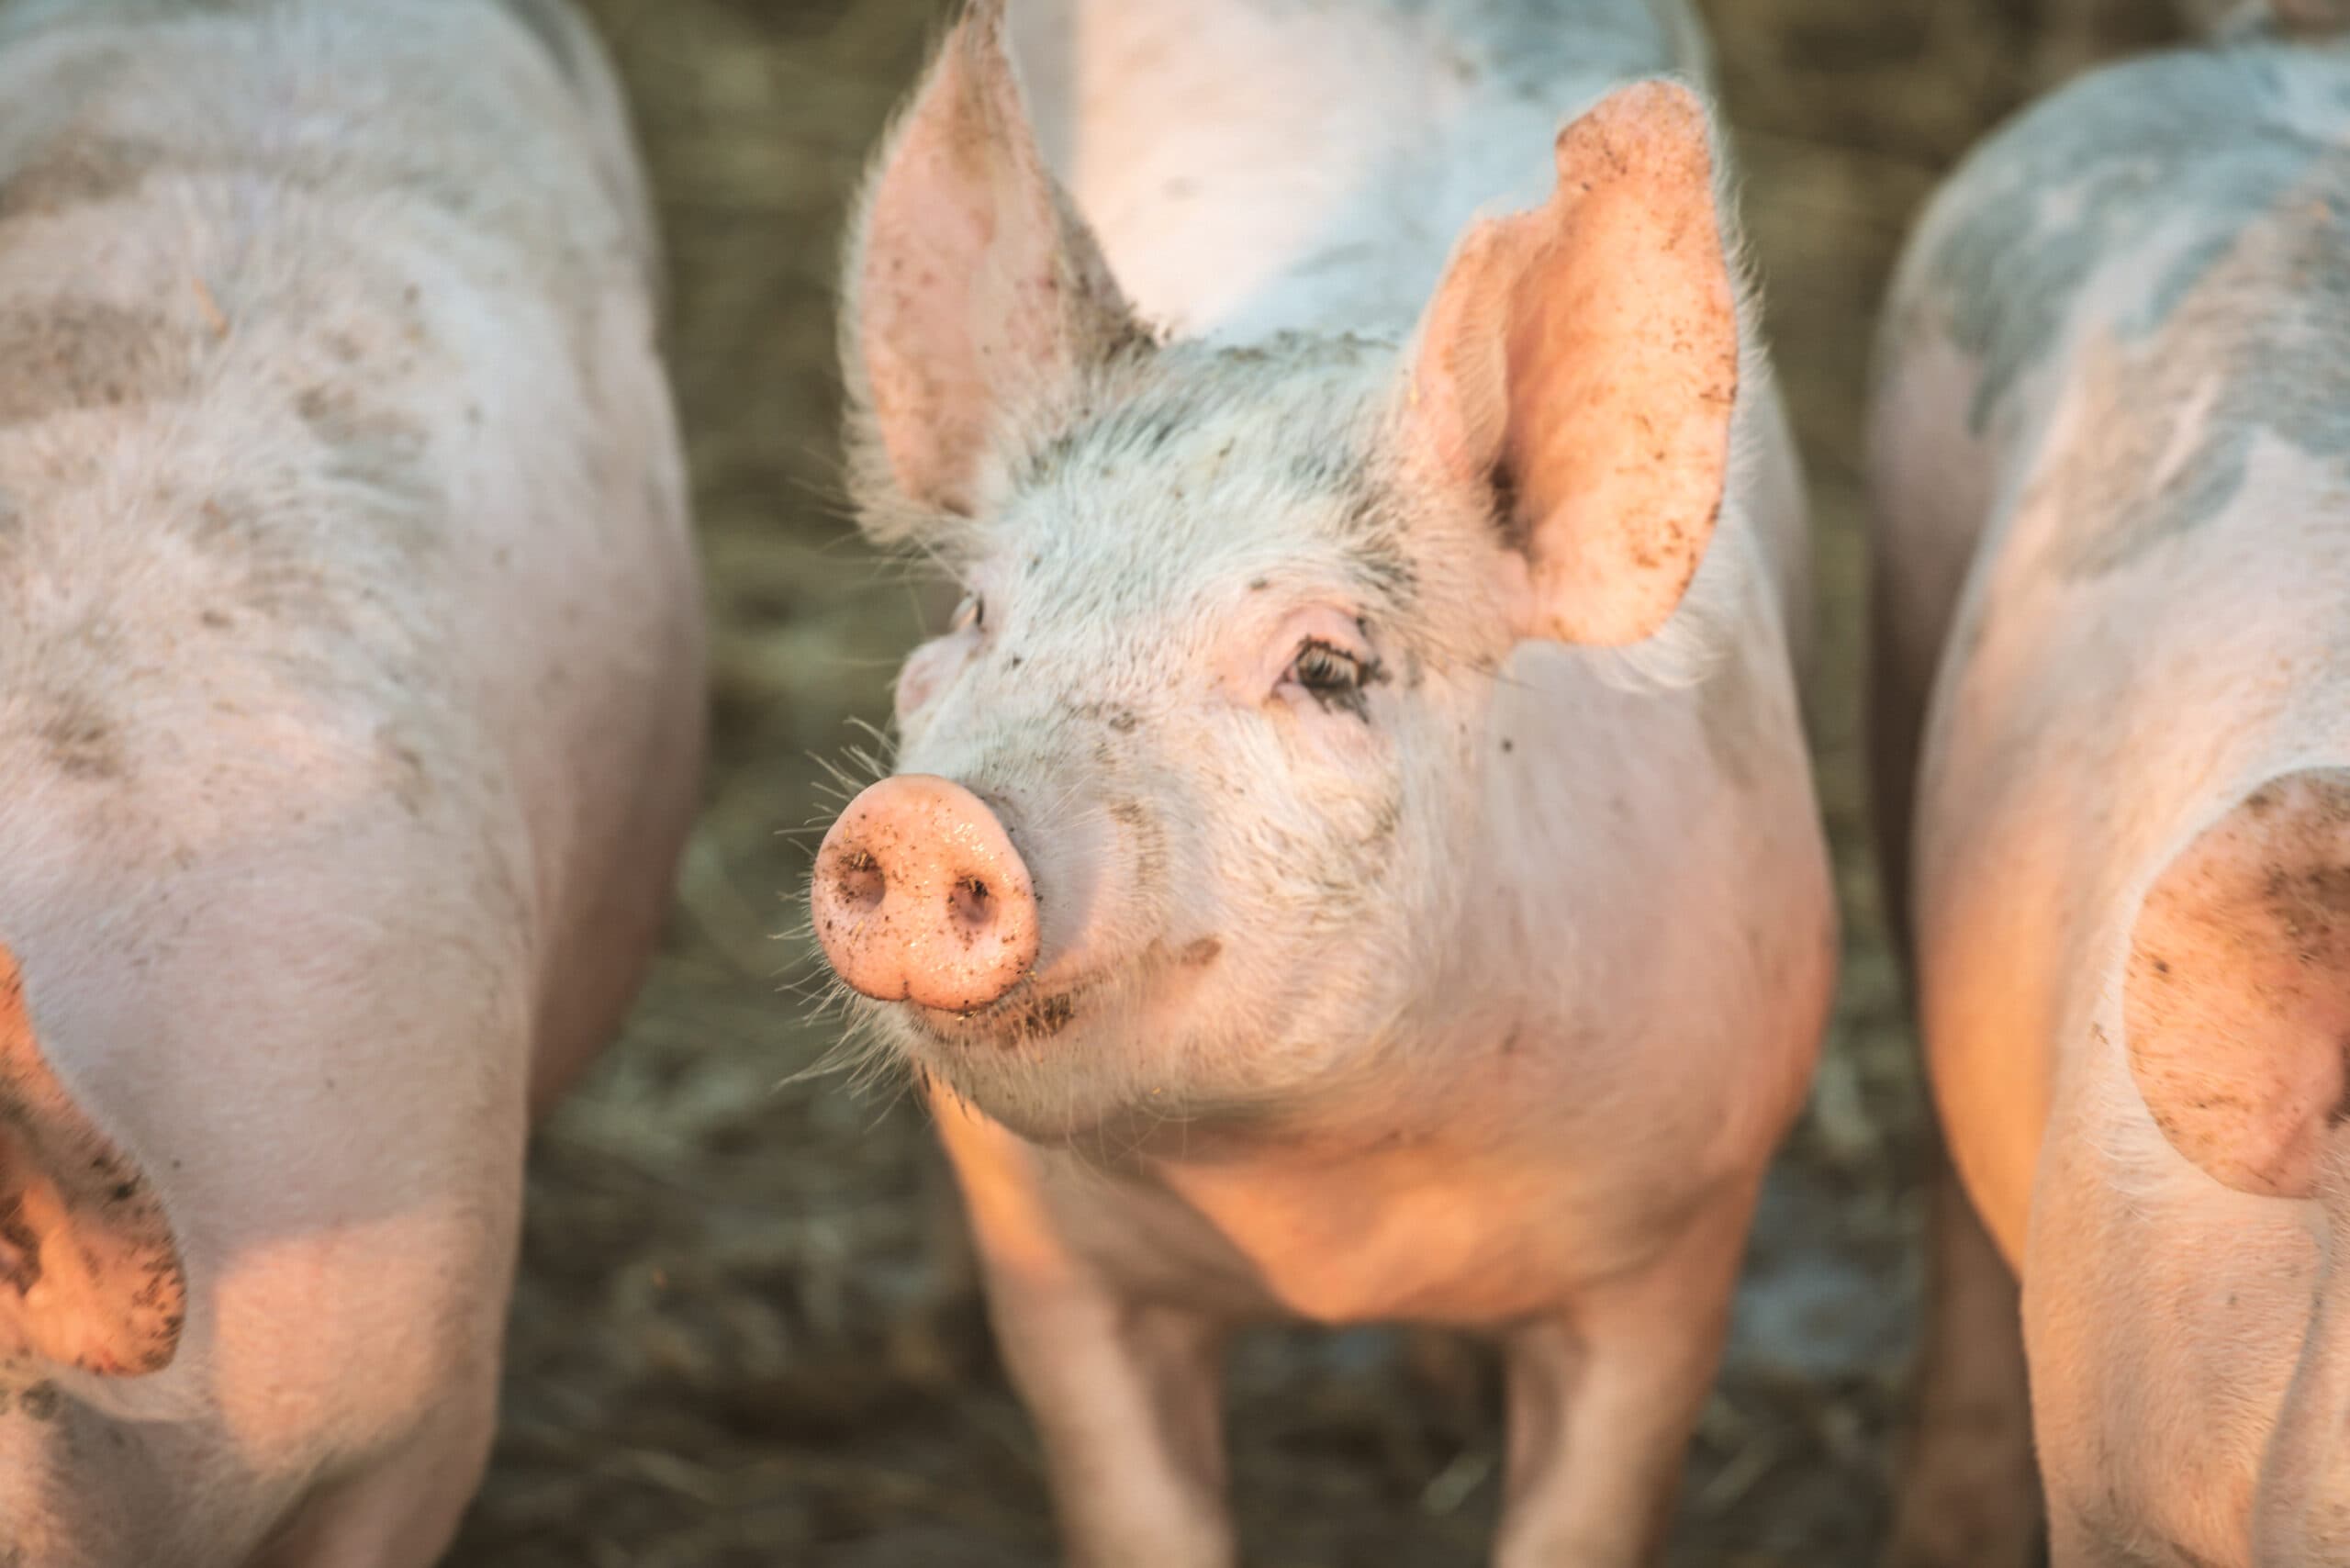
[1044, 1018]
[20, 1267]
[83, 742]
[1382, 563]
[1148, 839]
[1201, 953]
[41, 1401]
[75, 171]
[379, 454]
[404, 771]
[1017, 1022]
[63, 355]
[258, 552]
[366, 444]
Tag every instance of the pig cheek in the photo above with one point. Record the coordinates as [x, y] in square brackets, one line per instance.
[1333, 744]
[1337, 820]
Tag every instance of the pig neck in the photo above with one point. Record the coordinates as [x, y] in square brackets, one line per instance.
[1252, 169]
[1455, 1181]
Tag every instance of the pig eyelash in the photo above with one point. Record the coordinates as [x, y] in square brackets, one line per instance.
[1332, 676]
[1325, 670]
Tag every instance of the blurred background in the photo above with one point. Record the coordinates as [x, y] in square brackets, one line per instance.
[728, 1347]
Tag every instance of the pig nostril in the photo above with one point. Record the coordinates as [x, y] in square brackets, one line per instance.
[973, 905]
[859, 882]
[920, 896]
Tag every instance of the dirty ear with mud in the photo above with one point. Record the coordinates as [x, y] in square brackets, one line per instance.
[89, 1274]
[2238, 1000]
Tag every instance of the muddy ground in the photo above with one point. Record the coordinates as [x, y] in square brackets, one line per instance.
[718, 1355]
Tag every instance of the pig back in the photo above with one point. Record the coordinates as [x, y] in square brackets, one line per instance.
[350, 684]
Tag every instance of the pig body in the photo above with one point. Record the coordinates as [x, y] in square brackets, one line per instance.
[2110, 447]
[1456, 974]
[349, 729]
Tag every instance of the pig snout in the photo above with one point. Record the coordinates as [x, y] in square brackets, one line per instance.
[920, 896]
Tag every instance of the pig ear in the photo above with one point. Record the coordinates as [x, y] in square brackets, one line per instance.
[1580, 364]
[2237, 999]
[974, 289]
[89, 1274]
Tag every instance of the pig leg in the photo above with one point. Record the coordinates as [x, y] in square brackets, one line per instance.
[1128, 1400]
[2297, 1515]
[2074, 1543]
[402, 1511]
[1970, 1493]
[934, 1345]
[1128, 1397]
[1454, 1374]
[1602, 1399]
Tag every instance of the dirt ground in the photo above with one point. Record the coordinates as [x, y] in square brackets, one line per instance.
[718, 1355]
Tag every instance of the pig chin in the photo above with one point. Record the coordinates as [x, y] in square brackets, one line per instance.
[1027, 1019]
[1055, 1064]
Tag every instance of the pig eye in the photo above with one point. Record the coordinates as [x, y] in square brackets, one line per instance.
[970, 615]
[1326, 671]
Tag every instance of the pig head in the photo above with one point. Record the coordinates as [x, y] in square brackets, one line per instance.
[1189, 816]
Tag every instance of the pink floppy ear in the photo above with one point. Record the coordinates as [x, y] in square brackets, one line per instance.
[973, 288]
[2237, 999]
[89, 1274]
[1582, 361]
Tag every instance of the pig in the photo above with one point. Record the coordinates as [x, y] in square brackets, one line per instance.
[2305, 18]
[350, 725]
[2109, 485]
[1352, 857]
